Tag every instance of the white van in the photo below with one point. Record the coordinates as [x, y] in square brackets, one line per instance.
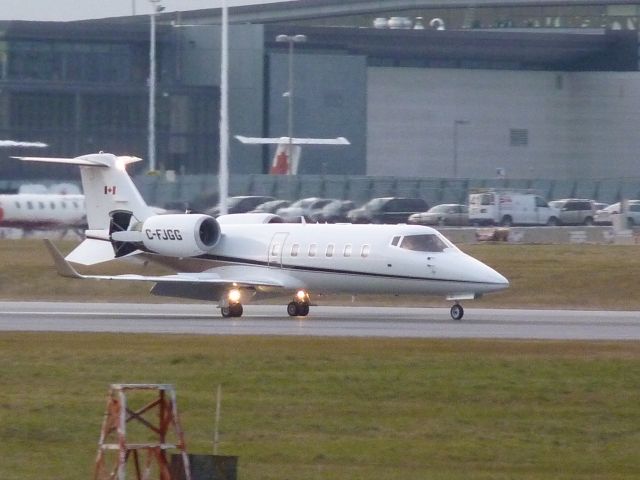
[510, 207]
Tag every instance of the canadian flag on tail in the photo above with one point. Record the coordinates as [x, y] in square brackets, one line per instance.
[110, 190]
[287, 157]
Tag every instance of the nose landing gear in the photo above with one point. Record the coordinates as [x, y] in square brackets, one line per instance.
[457, 312]
[299, 307]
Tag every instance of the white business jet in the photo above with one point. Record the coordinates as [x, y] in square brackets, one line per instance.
[236, 258]
[42, 211]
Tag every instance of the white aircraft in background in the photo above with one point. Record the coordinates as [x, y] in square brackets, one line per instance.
[38, 209]
[236, 258]
[286, 160]
[42, 211]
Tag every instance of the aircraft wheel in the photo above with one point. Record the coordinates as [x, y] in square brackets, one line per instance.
[236, 310]
[292, 309]
[457, 312]
[303, 310]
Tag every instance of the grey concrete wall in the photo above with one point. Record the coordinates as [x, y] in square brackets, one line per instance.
[200, 58]
[330, 101]
[580, 125]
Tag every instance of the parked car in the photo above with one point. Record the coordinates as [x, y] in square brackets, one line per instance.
[387, 210]
[240, 204]
[271, 206]
[445, 214]
[333, 212]
[574, 211]
[604, 216]
[302, 208]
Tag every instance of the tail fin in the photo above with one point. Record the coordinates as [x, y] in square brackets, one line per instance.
[107, 187]
[287, 157]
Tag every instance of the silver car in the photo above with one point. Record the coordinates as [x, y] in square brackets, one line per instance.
[605, 216]
[443, 215]
[574, 211]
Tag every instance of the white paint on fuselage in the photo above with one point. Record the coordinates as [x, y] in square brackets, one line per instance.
[385, 269]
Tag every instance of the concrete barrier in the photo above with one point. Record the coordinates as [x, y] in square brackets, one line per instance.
[541, 235]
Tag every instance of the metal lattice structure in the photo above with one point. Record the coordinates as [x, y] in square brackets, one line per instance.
[140, 426]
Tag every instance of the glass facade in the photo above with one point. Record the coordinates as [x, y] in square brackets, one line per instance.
[86, 95]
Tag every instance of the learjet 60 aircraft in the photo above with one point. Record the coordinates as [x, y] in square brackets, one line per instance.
[236, 258]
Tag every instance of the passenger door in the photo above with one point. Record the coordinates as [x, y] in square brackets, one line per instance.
[276, 248]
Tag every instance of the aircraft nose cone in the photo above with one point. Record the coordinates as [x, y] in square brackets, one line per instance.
[485, 275]
[500, 279]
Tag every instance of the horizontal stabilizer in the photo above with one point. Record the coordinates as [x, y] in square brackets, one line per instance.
[294, 141]
[86, 161]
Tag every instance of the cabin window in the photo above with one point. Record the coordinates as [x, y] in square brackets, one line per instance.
[41, 205]
[18, 205]
[423, 243]
[330, 249]
[395, 241]
[63, 204]
[30, 205]
[313, 250]
[365, 250]
[295, 248]
[53, 205]
[75, 205]
[348, 248]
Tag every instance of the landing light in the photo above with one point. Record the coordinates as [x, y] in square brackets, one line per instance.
[301, 295]
[234, 295]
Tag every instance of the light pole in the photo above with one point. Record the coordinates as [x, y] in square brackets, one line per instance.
[156, 8]
[291, 39]
[456, 123]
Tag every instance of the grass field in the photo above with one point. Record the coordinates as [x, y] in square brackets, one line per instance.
[324, 408]
[315, 408]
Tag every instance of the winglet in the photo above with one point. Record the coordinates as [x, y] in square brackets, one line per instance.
[63, 267]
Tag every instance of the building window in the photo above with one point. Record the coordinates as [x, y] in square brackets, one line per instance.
[519, 137]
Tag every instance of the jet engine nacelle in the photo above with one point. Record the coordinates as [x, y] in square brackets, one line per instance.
[180, 235]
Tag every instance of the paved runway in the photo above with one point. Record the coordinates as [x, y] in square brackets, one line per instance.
[204, 319]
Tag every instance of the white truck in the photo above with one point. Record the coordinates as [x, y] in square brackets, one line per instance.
[510, 207]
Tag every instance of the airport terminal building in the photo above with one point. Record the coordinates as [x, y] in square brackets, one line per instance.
[422, 89]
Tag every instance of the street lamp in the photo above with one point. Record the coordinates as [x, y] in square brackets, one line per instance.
[156, 8]
[456, 123]
[291, 40]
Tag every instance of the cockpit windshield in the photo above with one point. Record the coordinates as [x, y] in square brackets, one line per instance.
[424, 243]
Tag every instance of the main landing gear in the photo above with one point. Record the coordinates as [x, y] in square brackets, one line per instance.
[457, 312]
[299, 307]
[231, 306]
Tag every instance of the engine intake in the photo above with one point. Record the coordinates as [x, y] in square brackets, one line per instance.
[180, 235]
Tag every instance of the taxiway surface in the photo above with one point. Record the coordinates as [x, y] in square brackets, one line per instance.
[204, 319]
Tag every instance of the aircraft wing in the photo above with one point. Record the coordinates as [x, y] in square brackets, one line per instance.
[294, 141]
[221, 277]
